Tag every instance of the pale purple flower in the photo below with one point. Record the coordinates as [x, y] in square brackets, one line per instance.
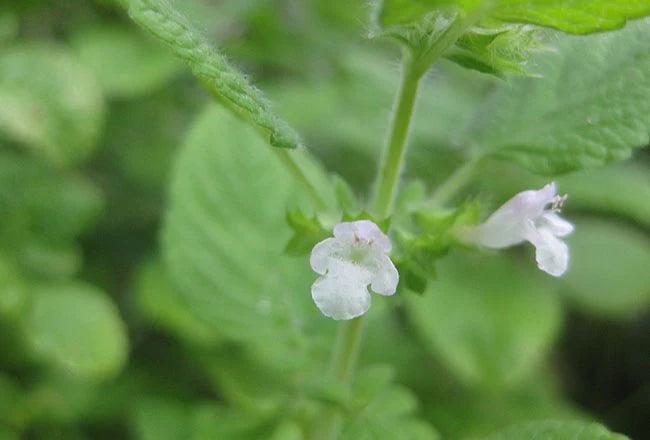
[531, 216]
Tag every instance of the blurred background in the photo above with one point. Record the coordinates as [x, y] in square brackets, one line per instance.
[96, 343]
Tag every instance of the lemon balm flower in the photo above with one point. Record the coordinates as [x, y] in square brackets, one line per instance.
[531, 216]
[355, 258]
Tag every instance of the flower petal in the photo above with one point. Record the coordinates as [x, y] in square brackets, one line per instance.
[493, 235]
[321, 255]
[364, 230]
[343, 292]
[507, 225]
[385, 277]
[556, 224]
[374, 235]
[525, 205]
[551, 253]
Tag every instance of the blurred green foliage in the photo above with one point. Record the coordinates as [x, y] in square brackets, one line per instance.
[51, 102]
[143, 289]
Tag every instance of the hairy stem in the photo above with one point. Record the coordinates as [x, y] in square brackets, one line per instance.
[397, 139]
[346, 352]
[345, 355]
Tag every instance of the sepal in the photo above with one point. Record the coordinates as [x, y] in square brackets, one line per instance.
[428, 237]
[497, 50]
[307, 231]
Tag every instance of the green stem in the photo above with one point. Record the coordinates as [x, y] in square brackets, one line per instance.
[345, 355]
[397, 139]
[347, 346]
[344, 359]
[413, 68]
[346, 352]
[456, 182]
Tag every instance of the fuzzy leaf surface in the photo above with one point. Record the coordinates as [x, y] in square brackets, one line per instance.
[591, 106]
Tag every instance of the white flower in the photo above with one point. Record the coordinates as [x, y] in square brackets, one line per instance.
[529, 216]
[355, 258]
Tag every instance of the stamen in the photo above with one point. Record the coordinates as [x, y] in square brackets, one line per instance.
[559, 202]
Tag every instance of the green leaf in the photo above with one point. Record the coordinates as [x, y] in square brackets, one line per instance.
[78, 329]
[287, 431]
[496, 51]
[48, 260]
[247, 380]
[138, 64]
[578, 16]
[12, 403]
[225, 233]
[160, 419]
[472, 413]
[557, 430]
[431, 26]
[50, 102]
[395, 12]
[13, 293]
[7, 434]
[489, 320]
[8, 26]
[307, 231]
[384, 410]
[471, 32]
[227, 84]
[63, 398]
[386, 328]
[345, 198]
[164, 307]
[372, 381]
[157, 418]
[142, 136]
[590, 107]
[42, 211]
[410, 198]
[428, 238]
[608, 272]
[212, 421]
[622, 191]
